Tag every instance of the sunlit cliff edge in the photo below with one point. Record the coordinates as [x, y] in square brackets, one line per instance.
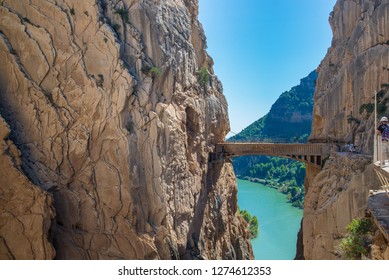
[105, 133]
[106, 126]
[355, 68]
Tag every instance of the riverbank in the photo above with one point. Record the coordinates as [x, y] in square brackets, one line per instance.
[254, 180]
[294, 194]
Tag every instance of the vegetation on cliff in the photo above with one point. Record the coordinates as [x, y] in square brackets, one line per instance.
[289, 116]
[289, 120]
[252, 222]
[356, 242]
[123, 130]
[280, 173]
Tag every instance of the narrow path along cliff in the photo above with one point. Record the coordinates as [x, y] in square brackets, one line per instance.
[110, 109]
[353, 71]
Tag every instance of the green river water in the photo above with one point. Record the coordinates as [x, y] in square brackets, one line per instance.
[279, 222]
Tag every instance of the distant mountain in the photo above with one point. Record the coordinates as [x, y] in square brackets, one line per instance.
[289, 117]
[288, 120]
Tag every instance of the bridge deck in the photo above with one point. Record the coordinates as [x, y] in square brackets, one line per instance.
[308, 153]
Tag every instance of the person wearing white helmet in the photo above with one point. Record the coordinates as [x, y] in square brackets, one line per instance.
[383, 130]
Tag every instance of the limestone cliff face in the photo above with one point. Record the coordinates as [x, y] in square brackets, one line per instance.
[104, 103]
[26, 211]
[337, 195]
[355, 67]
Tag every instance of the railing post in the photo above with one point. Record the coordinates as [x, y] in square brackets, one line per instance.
[375, 152]
[379, 150]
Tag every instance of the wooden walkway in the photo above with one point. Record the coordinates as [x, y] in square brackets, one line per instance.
[307, 153]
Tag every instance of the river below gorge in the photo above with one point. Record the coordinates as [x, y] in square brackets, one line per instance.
[279, 221]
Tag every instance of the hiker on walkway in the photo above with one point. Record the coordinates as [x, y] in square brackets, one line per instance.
[383, 130]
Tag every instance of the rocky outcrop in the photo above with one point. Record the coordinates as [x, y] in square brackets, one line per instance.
[105, 104]
[338, 195]
[355, 67]
[379, 248]
[26, 211]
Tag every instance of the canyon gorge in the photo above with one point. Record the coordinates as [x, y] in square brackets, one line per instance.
[106, 130]
[109, 110]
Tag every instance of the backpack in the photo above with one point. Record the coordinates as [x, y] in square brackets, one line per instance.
[385, 133]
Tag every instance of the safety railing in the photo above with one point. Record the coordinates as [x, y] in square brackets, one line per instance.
[381, 163]
[380, 157]
[384, 181]
[267, 140]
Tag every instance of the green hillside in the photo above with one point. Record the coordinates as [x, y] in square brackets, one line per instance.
[290, 115]
[289, 120]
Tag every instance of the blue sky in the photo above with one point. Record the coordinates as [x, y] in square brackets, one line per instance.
[262, 48]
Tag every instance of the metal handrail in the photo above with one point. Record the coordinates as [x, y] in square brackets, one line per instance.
[380, 159]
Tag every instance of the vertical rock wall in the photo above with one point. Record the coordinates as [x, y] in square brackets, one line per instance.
[26, 211]
[104, 103]
[338, 195]
[355, 67]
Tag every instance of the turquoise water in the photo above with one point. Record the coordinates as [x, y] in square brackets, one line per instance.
[279, 222]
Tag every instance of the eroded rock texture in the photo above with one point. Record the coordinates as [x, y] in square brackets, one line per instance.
[338, 195]
[26, 211]
[104, 103]
[355, 67]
